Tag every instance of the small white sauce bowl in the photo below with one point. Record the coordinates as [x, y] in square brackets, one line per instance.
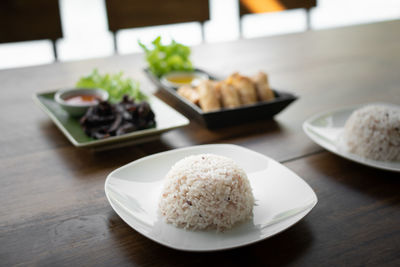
[76, 110]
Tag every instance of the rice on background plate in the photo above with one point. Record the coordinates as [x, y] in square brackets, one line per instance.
[373, 132]
[206, 191]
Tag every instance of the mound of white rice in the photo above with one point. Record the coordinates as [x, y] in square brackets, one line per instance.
[206, 191]
[374, 132]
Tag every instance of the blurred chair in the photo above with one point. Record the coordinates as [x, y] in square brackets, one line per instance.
[124, 14]
[30, 20]
[264, 6]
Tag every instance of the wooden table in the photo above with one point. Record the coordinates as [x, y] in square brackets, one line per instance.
[54, 211]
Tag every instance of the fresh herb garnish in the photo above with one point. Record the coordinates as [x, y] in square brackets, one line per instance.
[114, 84]
[166, 58]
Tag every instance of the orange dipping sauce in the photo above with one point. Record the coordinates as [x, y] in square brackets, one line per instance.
[81, 100]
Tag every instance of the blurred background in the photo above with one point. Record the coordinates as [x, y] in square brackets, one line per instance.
[98, 28]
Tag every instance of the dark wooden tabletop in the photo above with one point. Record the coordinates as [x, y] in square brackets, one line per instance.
[53, 209]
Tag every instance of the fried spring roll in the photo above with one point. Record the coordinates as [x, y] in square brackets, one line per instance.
[264, 92]
[189, 93]
[208, 96]
[229, 95]
[245, 88]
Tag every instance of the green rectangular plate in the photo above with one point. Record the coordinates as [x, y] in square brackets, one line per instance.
[166, 118]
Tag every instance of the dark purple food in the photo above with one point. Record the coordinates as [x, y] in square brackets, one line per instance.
[108, 119]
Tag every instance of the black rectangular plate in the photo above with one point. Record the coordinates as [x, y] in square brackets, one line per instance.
[226, 117]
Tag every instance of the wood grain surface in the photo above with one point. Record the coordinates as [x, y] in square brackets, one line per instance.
[54, 211]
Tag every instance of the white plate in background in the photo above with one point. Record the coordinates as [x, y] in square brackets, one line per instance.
[326, 128]
[282, 199]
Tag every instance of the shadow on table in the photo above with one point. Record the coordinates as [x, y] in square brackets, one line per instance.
[52, 134]
[83, 161]
[282, 249]
[200, 134]
[267, 126]
[377, 184]
[80, 159]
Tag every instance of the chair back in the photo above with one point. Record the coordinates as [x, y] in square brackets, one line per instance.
[28, 20]
[124, 14]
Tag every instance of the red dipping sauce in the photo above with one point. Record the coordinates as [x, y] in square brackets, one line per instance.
[81, 100]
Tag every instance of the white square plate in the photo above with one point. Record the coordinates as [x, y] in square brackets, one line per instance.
[326, 128]
[282, 199]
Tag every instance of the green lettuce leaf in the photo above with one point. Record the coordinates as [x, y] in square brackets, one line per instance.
[166, 58]
[114, 84]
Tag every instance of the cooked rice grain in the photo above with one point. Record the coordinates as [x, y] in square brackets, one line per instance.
[206, 191]
[374, 132]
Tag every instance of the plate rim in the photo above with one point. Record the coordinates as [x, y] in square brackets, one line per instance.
[349, 156]
[301, 215]
[107, 141]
